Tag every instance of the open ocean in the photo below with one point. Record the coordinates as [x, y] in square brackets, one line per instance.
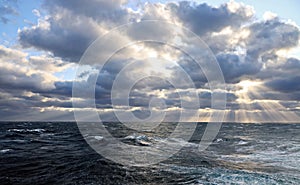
[56, 153]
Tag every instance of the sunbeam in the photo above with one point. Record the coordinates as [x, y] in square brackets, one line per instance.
[251, 95]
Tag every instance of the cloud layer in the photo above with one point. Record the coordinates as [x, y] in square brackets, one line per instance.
[260, 79]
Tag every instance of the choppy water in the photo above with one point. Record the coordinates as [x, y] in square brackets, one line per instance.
[56, 153]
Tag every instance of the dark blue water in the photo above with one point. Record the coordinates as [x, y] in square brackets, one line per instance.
[56, 153]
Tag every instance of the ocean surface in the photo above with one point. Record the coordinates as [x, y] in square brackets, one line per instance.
[56, 153]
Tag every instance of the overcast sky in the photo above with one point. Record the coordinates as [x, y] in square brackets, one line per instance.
[255, 44]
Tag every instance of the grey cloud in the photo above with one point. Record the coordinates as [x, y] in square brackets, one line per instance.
[153, 83]
[205, 100]
[292, 64]
[277, 95]
[49, 64]
[264, 40]
[66, 37]
[283, 68]
[62, 88]
[234, 67]
[17, 80]
[203, 18]
[17, 103]
[288, 84]
[101, 10]
[271, 35]
[24, 86]
[69, 35]
[193, 70]
[157, 30]
[78, 23]
[73, 26]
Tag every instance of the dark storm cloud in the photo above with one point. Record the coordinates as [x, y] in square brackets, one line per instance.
[193, 70]
[291, 65]
[234, 66]
[271, 35]
[264, 40]
[64, 89]
[283, 68]
[206, 97]
[66, 37]
[203, 18]
[72, 26]
[14, 79]
[281, 81]
[288, 84]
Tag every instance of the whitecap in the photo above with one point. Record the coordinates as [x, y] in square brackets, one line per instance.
[36, 130]
[219, 140]
[242, 143]
[141, 139]
[99, 138]
[39, 130]
[5, 150]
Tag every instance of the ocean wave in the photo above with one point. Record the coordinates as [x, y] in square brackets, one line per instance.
[57, 154]
[37, 130]
[5, 150]
[141, 139]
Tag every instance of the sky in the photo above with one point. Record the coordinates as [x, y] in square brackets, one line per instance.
[45, 45]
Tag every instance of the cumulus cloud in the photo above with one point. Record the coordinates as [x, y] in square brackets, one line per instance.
[72, 26]
[64, 35]
[271, 35]
[202, 18]
[234, 66]
[100, 10]
[28, 83]
[16, 74]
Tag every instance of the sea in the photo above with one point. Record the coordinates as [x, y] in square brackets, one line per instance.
[56, 153]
